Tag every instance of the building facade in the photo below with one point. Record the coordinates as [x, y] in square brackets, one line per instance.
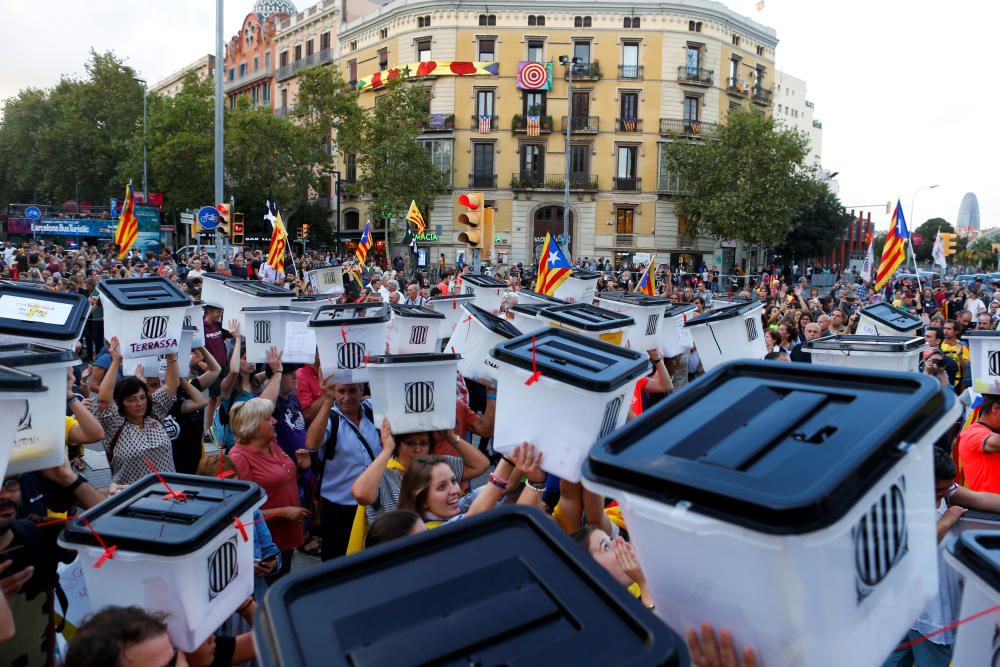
[793, 109]
[203, 68]
[645, 74]
[250, 53]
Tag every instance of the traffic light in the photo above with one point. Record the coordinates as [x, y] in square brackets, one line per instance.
[472, 218]
[237, 236]
[948, 243]
[224, 217]
[305, 231]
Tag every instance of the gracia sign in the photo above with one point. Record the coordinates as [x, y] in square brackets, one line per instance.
[429, 236]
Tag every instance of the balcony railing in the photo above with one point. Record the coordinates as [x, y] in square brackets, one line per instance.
[585, 72]
[670, 184]
[438, 122]
[583, 124]
[738, 87]
[687, 127]
[317, 58]
[482, 180]
[697, 76]
[627, 183]
[630, 71]
[625, 241]
[628, 125]
[247, 79]
[527, 180]
[520, 123]
[482, 127]
[763, 95]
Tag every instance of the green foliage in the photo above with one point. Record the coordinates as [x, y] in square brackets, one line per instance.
[393, 167]
[747, 184]
[67, 142]
[817, 225]
[929, 231]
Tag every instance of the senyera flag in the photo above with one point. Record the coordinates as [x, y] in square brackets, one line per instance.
[128, 225]
[553, 267]
[647, 281]
[413, 215]
[279, 238]
[894, 251]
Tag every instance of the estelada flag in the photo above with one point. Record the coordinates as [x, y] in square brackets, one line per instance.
[553, 267]
[647, 281]
[413, 215]
[128, 225]
[364, 245]
[279, 237]
[894, 251]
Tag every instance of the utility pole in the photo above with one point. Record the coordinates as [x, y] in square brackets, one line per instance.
[569, 64]
[220, 67]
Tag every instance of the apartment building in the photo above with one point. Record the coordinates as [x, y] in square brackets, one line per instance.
[792, 108]
[645, 74]
[203, 68]
[250, 53]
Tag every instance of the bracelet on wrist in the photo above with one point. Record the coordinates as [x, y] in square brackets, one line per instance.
[71, 399]
[498, 482]
[537, 488]
[491, 397]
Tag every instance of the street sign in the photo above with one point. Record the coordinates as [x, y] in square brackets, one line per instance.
[208, 217]
[33, 213]
[187, 218]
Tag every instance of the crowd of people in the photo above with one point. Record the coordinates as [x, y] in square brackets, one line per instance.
[337, 482]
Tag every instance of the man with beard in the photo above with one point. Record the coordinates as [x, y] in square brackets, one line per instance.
[29, 555]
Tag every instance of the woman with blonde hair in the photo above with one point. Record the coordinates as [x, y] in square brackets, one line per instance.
[260, 459]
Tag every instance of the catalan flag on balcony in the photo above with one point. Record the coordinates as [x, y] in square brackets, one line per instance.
[553, 267]
[484, 123]
[128, 225]
[534, 125]
[414, 216]
[630, 124]
[695, 126]
[647, 281]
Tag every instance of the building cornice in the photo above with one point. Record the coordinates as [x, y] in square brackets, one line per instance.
[707, 10]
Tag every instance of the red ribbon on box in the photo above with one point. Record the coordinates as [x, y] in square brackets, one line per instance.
[109, 552]
[170, 494]
[534, 366]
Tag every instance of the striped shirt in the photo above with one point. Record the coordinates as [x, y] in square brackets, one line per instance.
[387, 498]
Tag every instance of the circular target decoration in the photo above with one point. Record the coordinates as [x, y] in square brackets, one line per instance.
[533, 76]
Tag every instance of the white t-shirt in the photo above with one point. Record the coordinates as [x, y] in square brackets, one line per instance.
[195, 273]
[974, 306]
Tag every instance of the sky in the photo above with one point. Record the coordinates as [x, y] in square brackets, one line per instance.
[900, 86]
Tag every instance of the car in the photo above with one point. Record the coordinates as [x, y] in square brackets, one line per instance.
[931, 278]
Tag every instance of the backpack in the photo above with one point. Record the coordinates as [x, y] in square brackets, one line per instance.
[330, 446]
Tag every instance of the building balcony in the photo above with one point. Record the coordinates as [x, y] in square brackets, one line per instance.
[439, 122]
[738, 87]
[526, 180]
[320, 57]
[763, 96]
[627, 184]
[585, 71]
[519, 124]
[668, 184]
[488, 181]
[628, 125]
[695, 76]
[247, 79]
[478, 124]
[687, 127]
[630, 72]
[583, 124]
[624, 241]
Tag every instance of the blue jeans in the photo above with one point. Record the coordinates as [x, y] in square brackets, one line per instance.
[924, 654]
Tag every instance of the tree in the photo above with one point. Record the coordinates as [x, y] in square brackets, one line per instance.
[746, 185]
[181, 146]
[264, 152]
[929, 231]
[817, 225]
[393, 166]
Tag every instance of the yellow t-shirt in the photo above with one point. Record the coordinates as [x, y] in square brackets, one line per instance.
[70, 423]
[959, 354]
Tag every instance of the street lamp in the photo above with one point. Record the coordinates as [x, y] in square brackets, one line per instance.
[336, 191]
[569, 64]
[913, 222]
[145, 172]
